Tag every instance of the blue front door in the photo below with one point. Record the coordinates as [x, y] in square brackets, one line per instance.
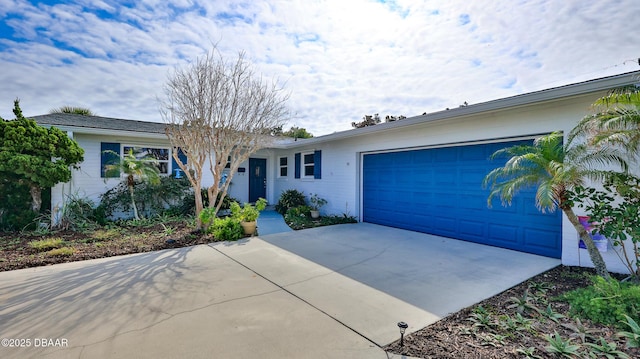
[257, 179]
[439, 191]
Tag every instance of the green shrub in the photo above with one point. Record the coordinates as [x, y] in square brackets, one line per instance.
[226, 229]
[15, 205]
[169, 195]
[248, 212]
[299, 211]
[46, 244]
[605, 302]
[290, 199]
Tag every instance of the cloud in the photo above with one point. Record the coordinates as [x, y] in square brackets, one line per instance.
[339, 59]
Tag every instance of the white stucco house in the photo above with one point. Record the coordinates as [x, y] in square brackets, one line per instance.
[422, 173]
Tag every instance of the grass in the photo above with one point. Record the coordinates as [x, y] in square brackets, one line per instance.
[47, 244]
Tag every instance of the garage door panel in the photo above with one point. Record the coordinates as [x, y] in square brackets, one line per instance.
[439, 191]
[503, 233]
[472, 229]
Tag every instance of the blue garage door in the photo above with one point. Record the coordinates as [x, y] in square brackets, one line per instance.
[439, 191]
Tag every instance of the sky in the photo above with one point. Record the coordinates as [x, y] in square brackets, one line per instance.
[337, 59]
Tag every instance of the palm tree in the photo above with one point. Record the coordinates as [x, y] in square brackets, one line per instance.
[555, 169]
[615, 121]
[145, 169]
[73, 110]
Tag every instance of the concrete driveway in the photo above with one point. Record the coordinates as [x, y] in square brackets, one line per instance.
[332, 292]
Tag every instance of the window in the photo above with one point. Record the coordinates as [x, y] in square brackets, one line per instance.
[284, 168]
[308, 164]
[161, 155]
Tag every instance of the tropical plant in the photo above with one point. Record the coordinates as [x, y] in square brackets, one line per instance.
[73, 110]
[561, 347]
[602, 348]
[248, 212]
[615, 121]
[555, 169]
[316, 201]
[144, 169]
[633, 335]
[289, 199]
[35, 156]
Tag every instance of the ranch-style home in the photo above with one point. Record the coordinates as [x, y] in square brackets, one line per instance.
[422, 173]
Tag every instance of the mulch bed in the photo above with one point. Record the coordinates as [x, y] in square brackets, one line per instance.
[456, 337]
[15, 252]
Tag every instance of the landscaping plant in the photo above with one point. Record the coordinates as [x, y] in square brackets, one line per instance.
[316, 202]
[615, 213]
[248, 212]
[26, 153]
[289, 199]
[143, 169]
[554, 169]
[607, 302]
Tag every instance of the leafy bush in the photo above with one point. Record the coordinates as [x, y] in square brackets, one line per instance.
[248, 213]
[226, 229]
[15, 205]
[169, 195]
[290, 199]
[606, 302]
[299, 211]
[614, 214]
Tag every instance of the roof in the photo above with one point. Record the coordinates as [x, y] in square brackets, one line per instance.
[79, 122]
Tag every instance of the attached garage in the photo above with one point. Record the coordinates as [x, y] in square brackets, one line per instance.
[439, 191]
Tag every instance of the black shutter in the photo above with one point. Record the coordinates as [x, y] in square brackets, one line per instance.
[297, 165]
[317, 164]
[109, 158]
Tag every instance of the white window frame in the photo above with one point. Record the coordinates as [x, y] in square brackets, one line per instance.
[125, 147]
[281, 166]
[303, 165]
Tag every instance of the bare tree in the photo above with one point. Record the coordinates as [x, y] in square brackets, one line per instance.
[218, 110]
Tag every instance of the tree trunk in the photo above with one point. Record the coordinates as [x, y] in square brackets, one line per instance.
[133, 203]
[594, 253]
[36, 198]
[197, 193]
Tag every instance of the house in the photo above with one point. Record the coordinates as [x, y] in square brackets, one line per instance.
[422, 173]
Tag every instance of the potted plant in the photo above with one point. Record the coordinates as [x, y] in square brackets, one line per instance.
[248, 214]
[316, 203]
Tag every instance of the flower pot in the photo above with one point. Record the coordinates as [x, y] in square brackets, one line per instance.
[315, 214]
[249, 227]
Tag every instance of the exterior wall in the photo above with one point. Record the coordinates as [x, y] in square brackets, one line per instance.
[341, 159]
[86, 181]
